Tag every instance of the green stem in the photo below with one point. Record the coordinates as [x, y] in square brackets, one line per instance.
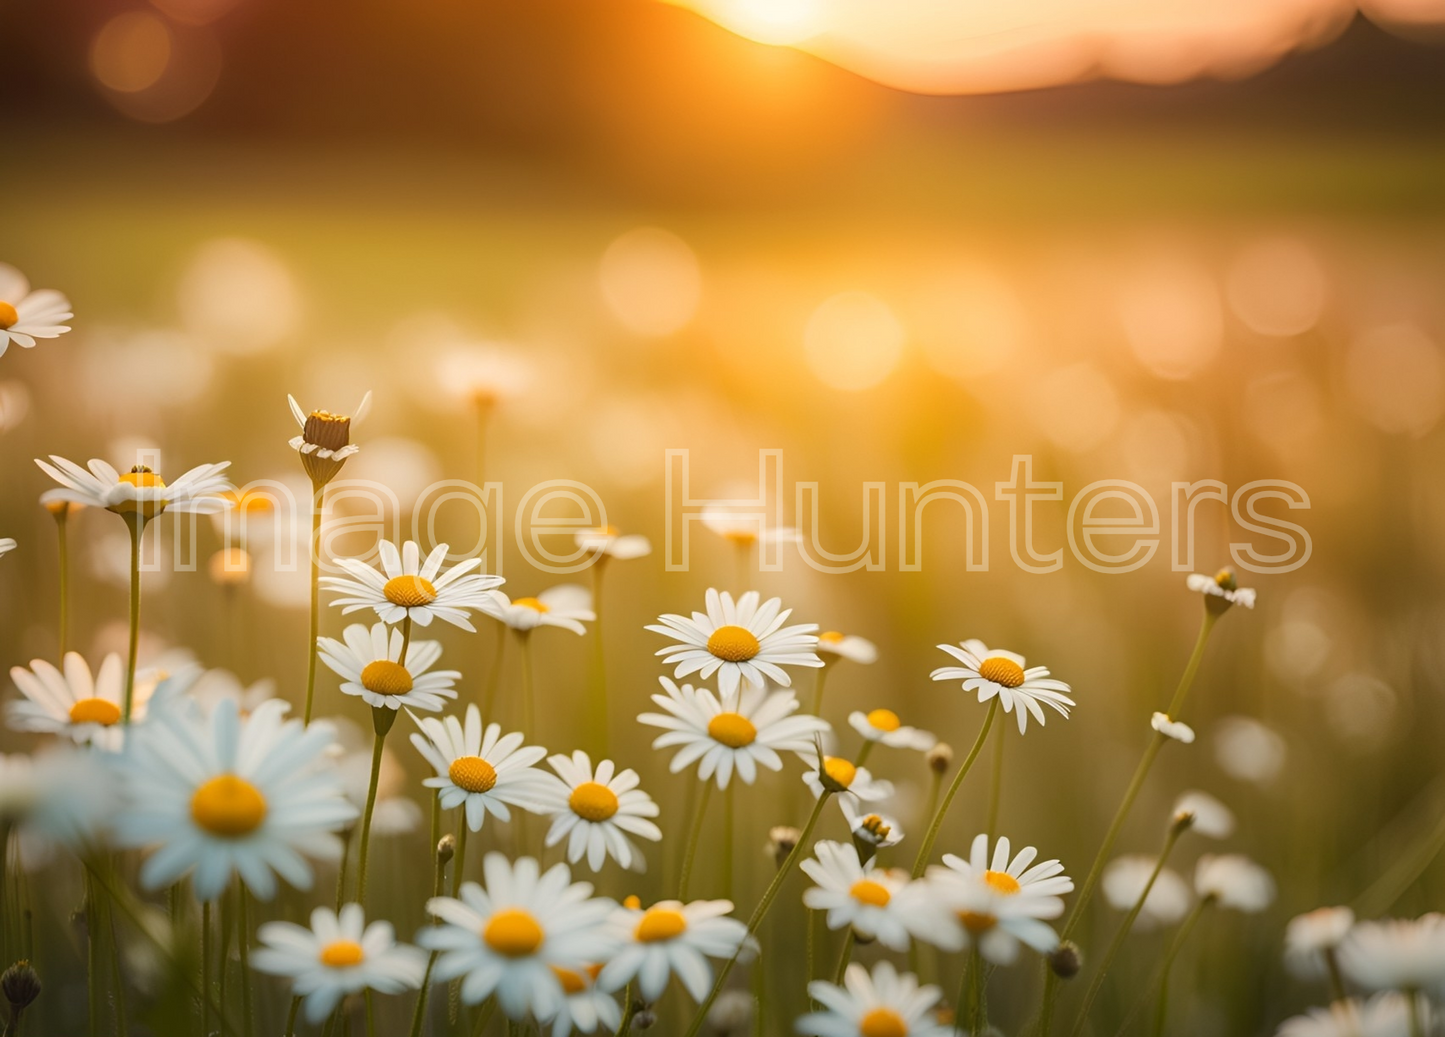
[137, 526]
[958, 1005]
[1161, 1010]
[864, 751]
[60, 526]
[117, 975]
[206, 969]
[820, 677]
[370, 1014]
[692, 840]
[729, 833]
[1127, 926]
[926, 849]
[844, 957]
[528, 705]
[243, 942]
[318, 493]
[761, 911]
[92, 953]
[1417, 1026]
[996, 785]
[290, 1030]
[343, 868]
[382, 717]
[977, 1013]
[598, 733]
[460, 859]
[624, 1028]
[489, 696]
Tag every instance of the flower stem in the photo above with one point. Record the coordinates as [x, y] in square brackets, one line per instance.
[382, 717]
[205, 968]
[692, 840]
[60, 528]
[418, 1015]
[996, 785]
[489, 695]
[844, 957]
[598, 713]
[290, 1030]
[528, 705]
[318, 492]
[117, 976]
[820, 677]
[1161, 1010]
[761, 911]
[1412, 1001]
[459, 861]
[977, 1012]
[243, 941]
[729, 833]
[926, 849]
[92, 953]
[137, 525]
[370, 1014]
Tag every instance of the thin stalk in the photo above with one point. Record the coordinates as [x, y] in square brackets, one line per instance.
[370, 1014]
[318, 493]
[1388, 888]
[926, 849]
[761, 911]
[60, 527]
[1125, 927]
[460, 859]
[742, 563]
[382, 717]
[484, 1015]
[418, 1014]
[692, 840]
[863, 753]
[1337, 981]
[729, 833]
[996, 785]
[227, 928]
[243, 941]
[1086, 892]
[820, 677]
[342, 868]
[958, 1004]
[976, 1010]
[624, 1028]
[598, 712]
[117, 975]
[137, 525]
[1417, 1025]
[290, 1030]
[92, 954]
[1161, 1010]
[489, 695]
[528, 705]
[205, 968]
[844, 957]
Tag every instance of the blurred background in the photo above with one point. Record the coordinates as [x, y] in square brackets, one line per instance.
[627, 227]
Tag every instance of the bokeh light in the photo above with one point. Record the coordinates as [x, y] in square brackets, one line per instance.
[853, 341]
[1172, 317]
[239, 296]
[1076, 407]
[1396, 375]
[1277, 287]
[131, 51]
[969, 321]
[651, 281]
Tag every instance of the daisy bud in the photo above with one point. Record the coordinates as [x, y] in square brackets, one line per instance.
[21, 985]
[325, 440]
[1226, 581]
[732, 1012]
[644, 1019]
[1181, 822]
[781, 840]
[446, 848]
[939, 758]
[1066, 960]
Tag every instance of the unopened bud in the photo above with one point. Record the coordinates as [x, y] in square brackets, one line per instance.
[781, 841]
[1066, 960]
[1181, 822]
[939, 758]
[446, 848]
[21, 985]
[646, 1019]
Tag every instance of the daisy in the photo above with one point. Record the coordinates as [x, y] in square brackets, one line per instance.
[1235, 882]
[596, 811]
[745, 530]
[1220, 590]
[741, 731]
[584, 1006]
[672, 938]
[7, 544]
[339, 955]
[871, 831]
[483, 375]
[139, 491]
[370, 666]
[856, 895]
[1384, 1015]
[856, 783]
[833, 646]
[25, 315]
[1312, 938]
[610, 542]
[1396, 954]
[883, 725]
[1211, 818]
[409, 588]
[61, 796]
[1124, 879]
[566, 605]
[484, 771]
[74, 703]
[739, 642]
[325, 440]
[993, 672]
[883, 1004]
[1013, 875]
[511, 937]
[219, 796]
[1175, 729]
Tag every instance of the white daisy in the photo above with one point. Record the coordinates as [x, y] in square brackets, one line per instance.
[857, 783]
[1384, 1015]
[871, 831]
[139, 491]
[740, 732]
[73, 703]
[509, 938]
[325, 440]
[1211, 818]
[671, 938]
[595, 811]
[856, 895]
[585, 1007]
[1396, 954]
[61, 796]
[739, 642]
[610, 542]
[833, 646]
[1013, 876]
[993, 671]
[339, 955]
[1124, 879]
[883, 725]
[1220, 590]
[1233, 881]
[1175, 729]
[409, 588]
[745, 530]
[567, 605]
[1311, 937]
[222, 795]
[25, 315]
[482, 375]
[369, 663]
[883, 1004]
[484, 771]
[7, 544]
[215, 686]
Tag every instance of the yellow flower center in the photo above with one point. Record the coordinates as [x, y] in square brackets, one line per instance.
[1001, 882]
[632, 902]
[741, 537]
[409, 591]
[513, 932]
[882, 1022]
[386, 677]
[8, 316]
[840, 770]
[228, 806]
[1225, 580]
[592, 801]
[473, 774]
[342, 953]
[866, 891]
[95, 711]
[830, 637]
[875, 827]
[884, 720]
[326, 430]
[572, 982]
[732, 729]
[535, 604]
[142, 477]
[733, 644]
[977, 922]
[1003, 671]
[658, 924]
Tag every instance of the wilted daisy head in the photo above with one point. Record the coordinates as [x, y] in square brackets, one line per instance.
[325, 440]
[139, 494]
[994, 672]
[27, 315]
[742, 641]
[408, 587]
